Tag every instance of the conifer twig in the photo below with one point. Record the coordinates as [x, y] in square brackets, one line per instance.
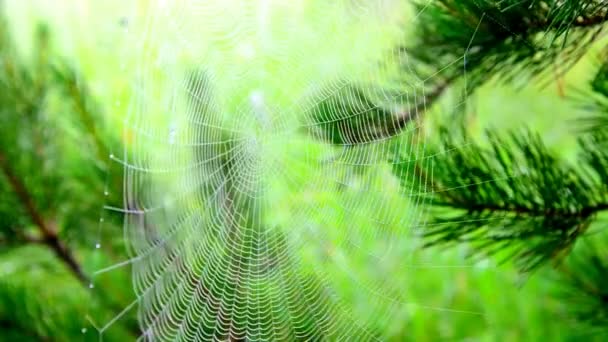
[47, 229]
[419, 108]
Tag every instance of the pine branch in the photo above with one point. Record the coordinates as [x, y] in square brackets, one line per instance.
[581, 282]
[76, 90]
[413, 113]
[351, 117]
[594, 100]
[511, 195]
[8, 327]
[47, 230]
[504, 38]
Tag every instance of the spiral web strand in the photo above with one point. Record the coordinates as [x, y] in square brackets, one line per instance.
[250, 195]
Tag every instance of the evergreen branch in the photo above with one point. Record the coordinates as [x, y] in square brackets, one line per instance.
[49, 233]
[352, 117]
[8, 327]
[505, 38]
[404, 117]
[556, 213]
[582, 282]
[512, 195]
[26, 236]
[77, 91]
[595, 99]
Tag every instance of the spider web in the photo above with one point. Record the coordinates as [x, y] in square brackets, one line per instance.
[245, 219]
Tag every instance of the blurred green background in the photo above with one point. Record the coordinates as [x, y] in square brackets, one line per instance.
[68, 68]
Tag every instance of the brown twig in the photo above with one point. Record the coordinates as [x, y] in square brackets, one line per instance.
[582, 213]
[401, 120]
[47, 229]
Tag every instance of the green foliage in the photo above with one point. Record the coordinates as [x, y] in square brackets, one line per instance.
[595, 99]
[350, 117]
[358, 115]
[33, 93]
[53, 175]
[40, 301]
[483, 38]
[582, 283]
[468, 41]
[511, 195]
[599, 84]
[21, 97]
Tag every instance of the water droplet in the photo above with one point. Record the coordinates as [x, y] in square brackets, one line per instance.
[83, 330]
[172, 133]
[246, 50]
[91, 285]
[97, 245]
[123, 22]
